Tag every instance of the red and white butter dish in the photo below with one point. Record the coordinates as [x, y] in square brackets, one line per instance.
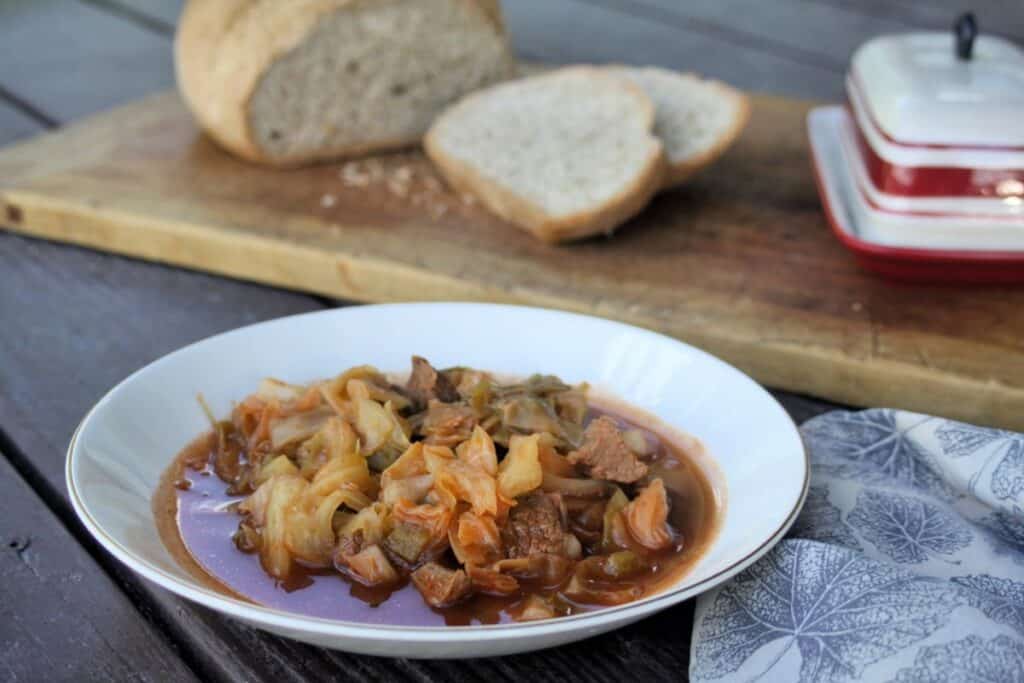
[941, 115]
[898, 246]
[923, 169]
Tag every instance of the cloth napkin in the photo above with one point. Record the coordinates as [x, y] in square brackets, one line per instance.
[906, 563]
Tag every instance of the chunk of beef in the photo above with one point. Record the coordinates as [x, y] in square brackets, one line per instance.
[605, 454]
[441, 587]
[534, 527]
[425, 383]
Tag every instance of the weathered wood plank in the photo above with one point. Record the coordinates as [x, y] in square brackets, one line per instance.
[159, 16]
[83, 321]
[61, 617]
[1000, 17]
[15, 125]
[801, 31]
[575, 31]
[71, 59]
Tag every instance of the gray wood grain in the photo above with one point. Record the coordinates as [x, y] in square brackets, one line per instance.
[1000, 17]
[165, 10]
[797, 30]
[159, 16]
[15, 125]
[86, 320]
[61, 617]
[70, 59]
[583, 31]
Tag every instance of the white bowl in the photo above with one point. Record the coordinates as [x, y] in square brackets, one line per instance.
[126, 441]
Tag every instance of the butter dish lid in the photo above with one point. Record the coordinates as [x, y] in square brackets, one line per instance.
[953, 89]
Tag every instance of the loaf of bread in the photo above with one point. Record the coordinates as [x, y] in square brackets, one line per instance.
[697, 119]
[299, 81]
[565, 154]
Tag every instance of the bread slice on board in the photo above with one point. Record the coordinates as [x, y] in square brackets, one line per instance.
[566, 154]
[696, 119]
[287, 83]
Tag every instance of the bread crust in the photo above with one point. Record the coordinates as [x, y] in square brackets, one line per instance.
[679, 173]
[515, 208]
[223, 48]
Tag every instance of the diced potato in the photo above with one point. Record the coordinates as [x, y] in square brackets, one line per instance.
[407, 542]
[431, 520]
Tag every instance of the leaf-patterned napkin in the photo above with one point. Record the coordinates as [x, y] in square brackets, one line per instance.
[906, 564]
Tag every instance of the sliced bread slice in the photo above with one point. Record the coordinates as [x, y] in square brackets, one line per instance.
[287, 83]
[697, 119]
[565, 154]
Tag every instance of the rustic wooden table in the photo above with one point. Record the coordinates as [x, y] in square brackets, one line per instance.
[74, 322]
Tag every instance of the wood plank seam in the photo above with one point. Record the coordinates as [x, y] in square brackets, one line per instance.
[923, 17]
[119, 575]
[727, 34]
[133, 15]
[28, 109]
[263, 258]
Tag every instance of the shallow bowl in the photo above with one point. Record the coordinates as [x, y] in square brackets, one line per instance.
[757, 460]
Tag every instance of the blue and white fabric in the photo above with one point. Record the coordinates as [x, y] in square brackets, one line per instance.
[906, 563]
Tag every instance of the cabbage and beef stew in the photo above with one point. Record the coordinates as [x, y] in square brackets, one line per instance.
[494, 501]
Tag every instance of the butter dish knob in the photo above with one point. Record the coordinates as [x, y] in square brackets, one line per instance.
[965, 30]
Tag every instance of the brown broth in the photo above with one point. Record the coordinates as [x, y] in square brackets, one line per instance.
[196, 521]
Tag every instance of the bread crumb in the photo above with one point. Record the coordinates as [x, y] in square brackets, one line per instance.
[328, 200]
[403, 174]
[857, 307]
[468, 200]
[374, 168]
[353, 175]
[397, 187]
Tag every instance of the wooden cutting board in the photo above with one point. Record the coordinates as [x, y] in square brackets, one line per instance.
[739, 262]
